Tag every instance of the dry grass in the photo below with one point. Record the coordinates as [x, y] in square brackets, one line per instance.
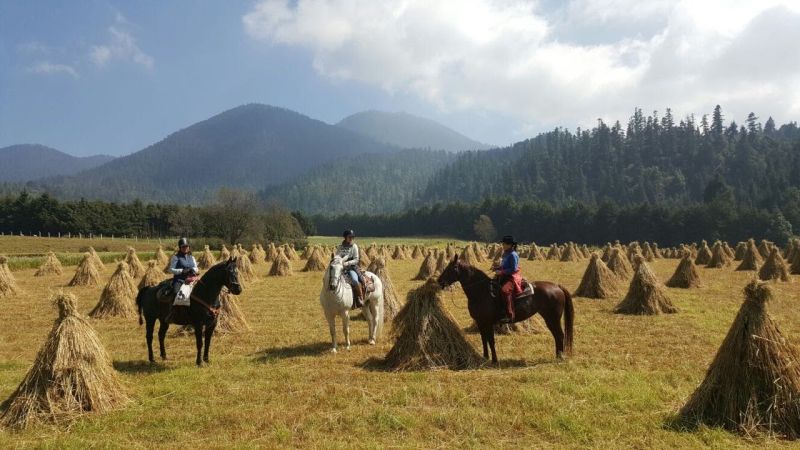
[278, 387]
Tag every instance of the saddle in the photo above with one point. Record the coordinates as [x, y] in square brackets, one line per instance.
[367, 285]
[527, 289]
[179, 301]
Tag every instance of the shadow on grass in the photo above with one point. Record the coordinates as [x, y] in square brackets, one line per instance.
[139, 366]
[294, 351]
[379, 364]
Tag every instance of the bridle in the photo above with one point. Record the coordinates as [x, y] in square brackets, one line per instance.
[211, 309]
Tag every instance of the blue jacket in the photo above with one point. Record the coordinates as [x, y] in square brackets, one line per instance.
[180, 262]
[509, 264]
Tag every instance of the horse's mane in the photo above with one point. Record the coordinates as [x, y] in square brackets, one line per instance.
[472, 271]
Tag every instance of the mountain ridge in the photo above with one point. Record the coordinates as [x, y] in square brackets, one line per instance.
[29, 162]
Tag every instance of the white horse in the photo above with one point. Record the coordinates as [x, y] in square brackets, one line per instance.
[336, 299]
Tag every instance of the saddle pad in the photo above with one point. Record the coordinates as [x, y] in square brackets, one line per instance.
[527, 289]
[184, 295]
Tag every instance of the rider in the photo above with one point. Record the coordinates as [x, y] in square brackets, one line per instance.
[348, 251]
[182, 265]
[509, 275]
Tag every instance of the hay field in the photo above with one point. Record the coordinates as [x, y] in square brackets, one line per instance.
[279, 387]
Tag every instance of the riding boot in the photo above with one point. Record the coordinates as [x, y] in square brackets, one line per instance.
[509, 316]
[358, 298]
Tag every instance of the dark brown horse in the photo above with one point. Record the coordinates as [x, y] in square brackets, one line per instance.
[549, 299]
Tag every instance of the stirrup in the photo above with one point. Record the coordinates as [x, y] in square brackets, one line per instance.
[506, 320]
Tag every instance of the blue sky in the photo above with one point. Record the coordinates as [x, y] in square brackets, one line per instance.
[113, 77]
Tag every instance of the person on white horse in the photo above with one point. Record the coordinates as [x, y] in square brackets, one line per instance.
[348, 251]
[182, 266]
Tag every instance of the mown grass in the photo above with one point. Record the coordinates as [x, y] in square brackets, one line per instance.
[279, 387]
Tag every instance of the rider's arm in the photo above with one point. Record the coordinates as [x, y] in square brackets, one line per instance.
[352, 258]
[173, 266]
[194, 268]
[510, 264]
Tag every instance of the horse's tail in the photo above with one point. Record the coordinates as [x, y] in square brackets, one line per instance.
[139, 298]
[569, 320]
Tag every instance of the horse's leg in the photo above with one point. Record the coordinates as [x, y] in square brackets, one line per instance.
[372, 320]
[331, 318]
[198, 337]
[209, 332]
[346, 328]
[491, 345]
[150, 325]
[163, 326]
[553, 322]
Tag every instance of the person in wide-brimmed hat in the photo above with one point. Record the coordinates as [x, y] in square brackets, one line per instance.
[509, 276]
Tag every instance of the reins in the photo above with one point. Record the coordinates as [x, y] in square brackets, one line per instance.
[214, 311]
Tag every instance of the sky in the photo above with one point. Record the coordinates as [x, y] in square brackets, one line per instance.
[113, 77]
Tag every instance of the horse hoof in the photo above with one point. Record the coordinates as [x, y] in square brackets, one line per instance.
[334, 351]
[372, 342]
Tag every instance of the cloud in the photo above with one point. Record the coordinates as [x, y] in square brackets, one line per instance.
[563, 65]
[122, 47]
[48, 68]
[33, 48]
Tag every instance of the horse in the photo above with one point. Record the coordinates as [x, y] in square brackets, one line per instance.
[549, 299]
[336, 299]
[203, 307]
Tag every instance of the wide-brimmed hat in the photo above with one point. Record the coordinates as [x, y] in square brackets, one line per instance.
[508, 239]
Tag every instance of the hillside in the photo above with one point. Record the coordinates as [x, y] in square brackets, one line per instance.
[409, 131]
[26, 162]
[372, 183]
[247, 147]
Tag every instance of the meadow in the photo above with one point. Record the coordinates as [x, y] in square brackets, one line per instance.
[279, 387]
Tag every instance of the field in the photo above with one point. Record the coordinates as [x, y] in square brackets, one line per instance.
[278, 386]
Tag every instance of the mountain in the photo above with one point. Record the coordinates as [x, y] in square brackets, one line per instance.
[248, 147]
[369, 184]
[408, 131]
[28, 162]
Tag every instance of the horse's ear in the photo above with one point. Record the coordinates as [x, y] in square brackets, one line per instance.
[455, 258]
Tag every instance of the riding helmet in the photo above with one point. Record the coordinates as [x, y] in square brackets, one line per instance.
[183, 242]
[348, 233]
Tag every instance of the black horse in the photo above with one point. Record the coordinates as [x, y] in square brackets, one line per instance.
[203, 307]
[549, 299]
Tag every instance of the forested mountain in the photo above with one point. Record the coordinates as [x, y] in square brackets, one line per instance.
[651, 160]
[28, 162]
[409, 131]
[371, 183]
[247, 147]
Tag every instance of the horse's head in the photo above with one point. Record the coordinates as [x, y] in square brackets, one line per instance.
[450, 274]
[231, 280]
[335, 269]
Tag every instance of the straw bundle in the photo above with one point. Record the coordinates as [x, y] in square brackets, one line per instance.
[118, 297]
[391, 303]
[152, 276]
[135, 267]
[647, 252]
[271, 253]
[372, 251]
[86, 274]
[206, 259]
[554, 254]
[427, 268]
[441, 262]
[469, 257]
[703, 255]
[398, 253]
[8, 285]
[290, 253]
[571, 253]
[534, 325]
[774, 268]
[161, 258]
[536, 253]
[719, 257]
[646, 295]
[427, 336]
[619, 264]
[417, 252]
[245, 267]
[256, 255]
[728, 250]
[598, 280]
[753, 383]
[281, 267]
[606, 256]
[478, 251]
[316, 263]
[98, 263]
[71, 375]
[741, 249]
[231, 319]
[686, 275]
[50, 266]
[752, 258]
[765, 248]
[795, 268]
[363, 259]
[224, 253]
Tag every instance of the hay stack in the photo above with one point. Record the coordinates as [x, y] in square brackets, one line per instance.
[752, 259]
[647, 252]
[290, 253]
[554, 253]
[135, 267]
[728, 250]
[534, 325]
[206, 259]
[391, 303]
[363, 260]
[50, 266]
[741, 249]
[704, 255]
[571, 253]
[536, 253]
[427, 268]
[118, 297]
[427, 337]
[795, 267]
[307, 252]
[598, 280]
[469, 257]
[417, 253]
[719, 257]
[231, 319]
[765, 248]
[753, 383]
[245, 267]
[619, 264]
[98, 262]
[316, 263]
[271, 253]
[86, 274]
[686, 275]
[441, 262]
[71, 375]
[372, 251]
[161, 258]
[256, 255]
[152, 276]
[398, 253]
[606, 253]
[646, 295]
[774, 268]
[281, 267]
[224, 253]
[8, 285]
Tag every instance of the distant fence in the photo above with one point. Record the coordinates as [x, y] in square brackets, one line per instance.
[88, 236]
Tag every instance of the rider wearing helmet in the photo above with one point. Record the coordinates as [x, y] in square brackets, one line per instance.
[348, 251]
[182, 265]
[509, 276]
